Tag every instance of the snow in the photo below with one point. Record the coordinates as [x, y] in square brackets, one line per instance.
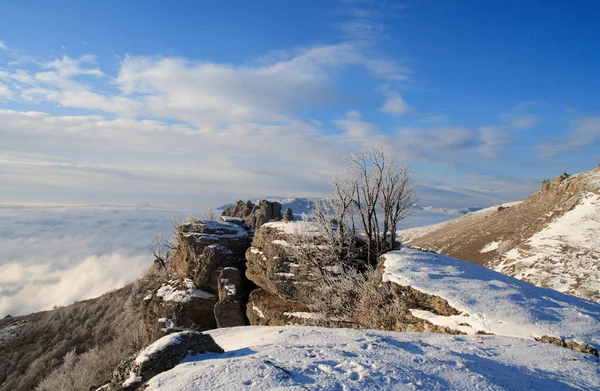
[306, 315]
[169, 293]
[159, 345]
[491, 247]
[280, 242]
[286, 275]
[258, 311]
[133, 379]
[294, 227]
[492, 302]
[562, 254]
[230, 219]
[311, 358]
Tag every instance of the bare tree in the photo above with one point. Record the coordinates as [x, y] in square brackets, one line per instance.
[381, 194]
[210, 214]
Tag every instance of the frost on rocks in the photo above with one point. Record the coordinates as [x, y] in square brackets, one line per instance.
[312, 358]
[491, 302]
[169, 293]
[161, 344]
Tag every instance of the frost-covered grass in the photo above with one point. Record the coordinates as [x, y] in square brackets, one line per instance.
[311, 358]
[492, 302]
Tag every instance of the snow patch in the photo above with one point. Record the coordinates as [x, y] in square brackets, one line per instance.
[493, 246]
[258, 311]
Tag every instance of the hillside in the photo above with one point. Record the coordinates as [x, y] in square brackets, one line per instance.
[552, 239]
[32, 346]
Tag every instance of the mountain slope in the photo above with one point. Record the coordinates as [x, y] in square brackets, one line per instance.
[552, 239]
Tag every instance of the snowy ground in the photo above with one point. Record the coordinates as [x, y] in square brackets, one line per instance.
[310, 358]
[563, 254]
[492, 302]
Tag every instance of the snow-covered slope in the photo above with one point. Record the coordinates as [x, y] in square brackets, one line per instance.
[564, 255]
[491, 302]
[309, 358]
[552, 239]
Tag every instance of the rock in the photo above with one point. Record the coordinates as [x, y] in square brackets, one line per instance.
[159, 357]
[231, 284]
[178, 305]
[205, 248]
[230, 310]
[274, 265]
[268, 309]
[255, 215]
[288, 215]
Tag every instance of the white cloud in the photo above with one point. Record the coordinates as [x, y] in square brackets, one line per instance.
[4, 92]
[395, 105]
[31, 288]
[56, 255]
[204, 94]
[521, 121]
[3, 46]
[451, 145]
[584, 134]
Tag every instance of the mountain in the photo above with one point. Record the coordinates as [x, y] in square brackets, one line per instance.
[551, 239]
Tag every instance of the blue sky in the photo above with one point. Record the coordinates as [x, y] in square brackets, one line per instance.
[200, 103]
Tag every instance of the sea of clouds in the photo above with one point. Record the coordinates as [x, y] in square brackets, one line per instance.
[55, 255]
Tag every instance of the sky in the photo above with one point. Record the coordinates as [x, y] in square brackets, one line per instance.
[194, 104]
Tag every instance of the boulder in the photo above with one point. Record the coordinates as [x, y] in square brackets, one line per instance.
[162, 355]
[255, 214]
[178, 305]
[205, 248]
[230, 310]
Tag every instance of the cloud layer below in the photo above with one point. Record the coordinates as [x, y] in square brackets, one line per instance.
[57, 255]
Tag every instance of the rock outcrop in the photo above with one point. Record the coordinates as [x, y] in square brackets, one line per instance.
[208, 289]
[159, 357]
[255, 214]
[205, 248]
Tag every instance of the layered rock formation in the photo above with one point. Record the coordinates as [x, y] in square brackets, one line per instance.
[207, 288]
[255, 214]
